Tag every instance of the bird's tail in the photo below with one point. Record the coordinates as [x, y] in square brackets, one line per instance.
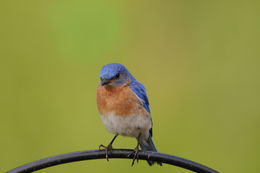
[148, 145]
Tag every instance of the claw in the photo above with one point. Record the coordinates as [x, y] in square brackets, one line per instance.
[106, 148]
[101, 146]
[109, 147]
[135, 155]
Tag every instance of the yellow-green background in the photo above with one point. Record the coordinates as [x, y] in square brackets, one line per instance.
[199, 61]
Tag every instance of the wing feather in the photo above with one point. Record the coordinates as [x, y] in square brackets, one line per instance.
[140, 91]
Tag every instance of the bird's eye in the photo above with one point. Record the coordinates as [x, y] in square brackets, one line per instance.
[117, 76]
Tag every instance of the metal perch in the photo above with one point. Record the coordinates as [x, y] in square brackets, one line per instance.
[116, 153]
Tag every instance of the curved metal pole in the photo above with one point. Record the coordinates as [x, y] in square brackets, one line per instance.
[116, 153]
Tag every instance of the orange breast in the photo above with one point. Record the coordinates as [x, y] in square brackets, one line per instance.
[118, 101]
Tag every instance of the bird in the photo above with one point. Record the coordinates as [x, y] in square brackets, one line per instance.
[124, 108]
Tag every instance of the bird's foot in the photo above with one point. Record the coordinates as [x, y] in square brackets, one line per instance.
[135, 155]
[106, 148]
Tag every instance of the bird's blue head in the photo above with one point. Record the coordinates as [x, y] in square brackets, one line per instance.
[115, 74]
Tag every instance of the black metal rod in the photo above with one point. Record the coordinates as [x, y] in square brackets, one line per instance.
[116, 153]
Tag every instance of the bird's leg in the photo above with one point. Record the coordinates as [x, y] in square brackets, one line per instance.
[135, 151]
[108, 148]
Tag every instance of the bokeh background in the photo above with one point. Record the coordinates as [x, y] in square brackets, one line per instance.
[199, 61]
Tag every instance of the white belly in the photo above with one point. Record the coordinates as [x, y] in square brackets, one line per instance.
[132, 126]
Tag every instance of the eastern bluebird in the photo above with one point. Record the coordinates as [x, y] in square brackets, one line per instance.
[124, 107]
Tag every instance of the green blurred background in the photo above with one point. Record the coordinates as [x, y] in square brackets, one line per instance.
[199, 61]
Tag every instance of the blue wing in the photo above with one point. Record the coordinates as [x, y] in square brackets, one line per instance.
[139, 90]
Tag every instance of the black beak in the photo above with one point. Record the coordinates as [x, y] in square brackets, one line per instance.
[104, 82]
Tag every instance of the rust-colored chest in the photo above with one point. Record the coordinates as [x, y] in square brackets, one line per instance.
[119, 101]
